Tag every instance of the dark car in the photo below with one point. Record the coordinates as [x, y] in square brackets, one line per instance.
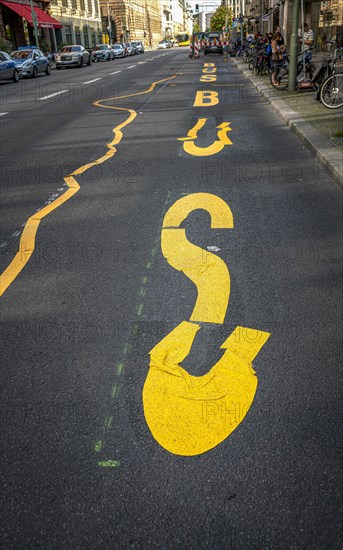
[8, 69]
[30, 61]
[212, 44]
[72, 56]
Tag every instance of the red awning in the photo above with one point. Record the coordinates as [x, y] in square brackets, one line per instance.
[44, 20]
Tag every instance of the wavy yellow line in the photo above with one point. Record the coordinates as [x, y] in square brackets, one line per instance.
[28, 238]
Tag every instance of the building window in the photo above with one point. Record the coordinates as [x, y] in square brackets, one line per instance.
[65, 3]
[90, 6]
[74, 4]
[69, 38]
[85, 37]
[96, 8]
[77, 35]
[82, 5]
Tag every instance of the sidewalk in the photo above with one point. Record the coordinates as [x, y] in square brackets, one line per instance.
[320, 129]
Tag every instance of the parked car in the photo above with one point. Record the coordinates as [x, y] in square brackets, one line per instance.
[131, 48]
[213, 39]
[164, 44]
[103, 52]
[139, 45]
[8, 69]
[118, 50]
[70, 56]
[30, 61]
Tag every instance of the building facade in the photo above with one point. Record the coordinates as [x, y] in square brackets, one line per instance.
[16, 26]
[81, 22]
[133, 20]
[331, 24]
[166, 19]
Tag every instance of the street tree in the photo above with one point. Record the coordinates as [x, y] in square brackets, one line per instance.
[196, 27]
[222, 17]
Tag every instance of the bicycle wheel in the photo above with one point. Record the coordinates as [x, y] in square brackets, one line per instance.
[331, 92]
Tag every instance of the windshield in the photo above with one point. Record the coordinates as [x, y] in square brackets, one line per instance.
[21, 55]
[102, 47]
[68, 49]
[117, 47]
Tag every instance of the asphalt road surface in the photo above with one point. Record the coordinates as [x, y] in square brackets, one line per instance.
[93, 294]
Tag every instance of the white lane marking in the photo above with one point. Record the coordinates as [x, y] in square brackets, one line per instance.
[52, 95]
[141, 62]
[131, 67]
[94, 80]
[2, 114]
[116, 72]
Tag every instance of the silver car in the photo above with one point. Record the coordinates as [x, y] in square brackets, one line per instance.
[72, 56]
[103, 52]
[31, 62]
[118, 50]
[139, 45]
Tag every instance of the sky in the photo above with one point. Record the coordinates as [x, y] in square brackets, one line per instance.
[205, 5]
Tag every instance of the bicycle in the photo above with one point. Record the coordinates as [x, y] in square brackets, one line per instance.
[280, 70]
[259, 64]
[331, 88]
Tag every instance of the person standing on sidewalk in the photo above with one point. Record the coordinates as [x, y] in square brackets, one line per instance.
[278, 48]
[308, 41]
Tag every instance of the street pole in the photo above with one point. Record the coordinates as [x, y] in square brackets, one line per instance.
[34, 22]
[108, 23]
[261, 20]
[241, 18]
[293, 49]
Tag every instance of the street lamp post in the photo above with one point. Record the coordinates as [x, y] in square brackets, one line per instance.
[34, 22]
[108, 23]
[293, 50]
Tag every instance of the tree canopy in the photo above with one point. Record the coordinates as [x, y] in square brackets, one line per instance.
[196, 27]
[220, 18]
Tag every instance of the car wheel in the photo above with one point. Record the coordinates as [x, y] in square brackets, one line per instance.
[34, 72]
[58, 68]
[48, 69]
[80, 62]
[15, 76]
[89, 62]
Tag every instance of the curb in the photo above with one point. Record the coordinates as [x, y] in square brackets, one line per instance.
[329, 156]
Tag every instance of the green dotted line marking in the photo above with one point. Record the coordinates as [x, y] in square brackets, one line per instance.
[120, 366]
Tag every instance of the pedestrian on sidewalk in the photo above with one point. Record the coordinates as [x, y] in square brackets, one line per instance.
[308, 41]
[278, 29]
[269, 50]
[278, 48]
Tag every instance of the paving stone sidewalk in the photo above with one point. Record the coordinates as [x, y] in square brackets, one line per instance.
[320, 128]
